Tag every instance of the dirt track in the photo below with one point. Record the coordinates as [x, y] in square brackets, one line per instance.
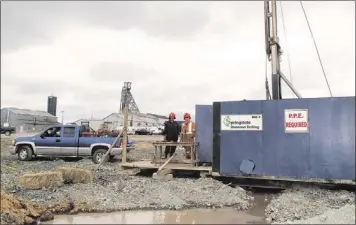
[114, 189]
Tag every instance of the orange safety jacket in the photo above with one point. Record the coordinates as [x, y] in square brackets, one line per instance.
[188, 128]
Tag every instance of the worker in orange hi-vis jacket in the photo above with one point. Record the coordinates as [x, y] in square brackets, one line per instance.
[187, 134]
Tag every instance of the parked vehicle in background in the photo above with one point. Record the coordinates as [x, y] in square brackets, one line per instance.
[130, 130]
[143, 131]
[66, 141]
[8, 130]
[156, 131]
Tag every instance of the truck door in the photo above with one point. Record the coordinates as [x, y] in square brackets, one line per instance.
[69, 142]
[48, 143]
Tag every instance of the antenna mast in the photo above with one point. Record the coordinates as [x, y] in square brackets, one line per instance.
[273, 51]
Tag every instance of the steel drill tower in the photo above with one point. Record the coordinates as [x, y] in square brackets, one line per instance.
[126, 97]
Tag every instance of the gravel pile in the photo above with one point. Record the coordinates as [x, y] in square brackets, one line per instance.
[343, 215]
[304, 203]
[129, 193]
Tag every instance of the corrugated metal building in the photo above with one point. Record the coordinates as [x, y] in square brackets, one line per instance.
[26, 119]
[135, 120]
[115, 120]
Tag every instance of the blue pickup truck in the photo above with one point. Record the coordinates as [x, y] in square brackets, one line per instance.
[66, 141]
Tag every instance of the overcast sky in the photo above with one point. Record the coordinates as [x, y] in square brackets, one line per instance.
[176, 54]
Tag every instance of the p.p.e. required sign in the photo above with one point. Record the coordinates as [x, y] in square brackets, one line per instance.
[296, 121]
[238, 122]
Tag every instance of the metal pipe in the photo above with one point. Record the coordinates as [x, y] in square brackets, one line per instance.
[275, 53]
[267, 28]
[290, 85]
[275, 40]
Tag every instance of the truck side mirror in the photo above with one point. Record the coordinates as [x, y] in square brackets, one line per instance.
[42, 135]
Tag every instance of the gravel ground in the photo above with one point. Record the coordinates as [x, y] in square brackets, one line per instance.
[304, 203]
[343, 215]
[114, 189]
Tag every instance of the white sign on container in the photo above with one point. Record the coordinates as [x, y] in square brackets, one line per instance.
[249, 122]
[296, 121]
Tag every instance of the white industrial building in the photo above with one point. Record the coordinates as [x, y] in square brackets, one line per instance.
[26, 119]
[135, 120]
[116, 120]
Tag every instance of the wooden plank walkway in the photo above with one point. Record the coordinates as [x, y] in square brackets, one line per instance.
[172, 166]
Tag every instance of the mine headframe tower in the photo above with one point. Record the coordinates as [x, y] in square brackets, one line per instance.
[127, 98]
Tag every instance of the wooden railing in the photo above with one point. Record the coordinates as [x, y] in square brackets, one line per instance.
[158, 152]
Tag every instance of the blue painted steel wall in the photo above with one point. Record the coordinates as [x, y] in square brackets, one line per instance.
[327, 151]
[204, 131]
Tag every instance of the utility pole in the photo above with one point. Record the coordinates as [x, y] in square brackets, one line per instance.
[62, 114]
[34, 123]
[124, 130]
[124, 136]
[8, 116]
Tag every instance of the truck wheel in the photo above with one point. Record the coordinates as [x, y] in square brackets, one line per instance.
[98, 156]
[7, 133]
[24, 153]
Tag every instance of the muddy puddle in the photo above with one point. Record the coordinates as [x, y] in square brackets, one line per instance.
[190, 216]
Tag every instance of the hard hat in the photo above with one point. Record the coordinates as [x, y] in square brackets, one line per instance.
[172, 115]
[186, 115]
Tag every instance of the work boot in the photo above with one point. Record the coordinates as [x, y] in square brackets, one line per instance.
[172, 152]
[165, 155]
[166, 152]
[187, 155]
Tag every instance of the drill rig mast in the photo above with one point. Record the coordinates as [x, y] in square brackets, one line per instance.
[273, 51]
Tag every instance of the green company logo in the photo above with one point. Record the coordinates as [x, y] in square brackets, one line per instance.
[227, 121]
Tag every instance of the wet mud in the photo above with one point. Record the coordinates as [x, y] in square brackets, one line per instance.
[255, 215]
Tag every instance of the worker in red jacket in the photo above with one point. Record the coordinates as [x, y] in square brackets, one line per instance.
[171, 132]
